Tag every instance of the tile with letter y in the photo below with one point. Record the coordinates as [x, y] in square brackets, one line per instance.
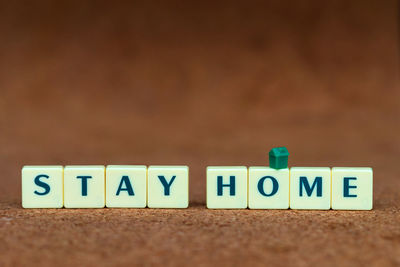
[168, 187]
[268, 188]
[84, 186]
[226, 187]
[42, 186]
[310, 188]
[126, 186]
[352, 188]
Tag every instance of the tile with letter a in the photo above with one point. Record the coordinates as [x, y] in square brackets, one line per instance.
[226, 187]
[268, 188]
[126, 186]
[168, 187]
[84, 186]
[310, 188]
[352, 188]
[42, 186]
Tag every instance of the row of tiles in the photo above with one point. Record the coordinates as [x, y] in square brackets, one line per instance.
[229, 187]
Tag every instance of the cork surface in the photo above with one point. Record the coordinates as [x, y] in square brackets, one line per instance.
[198, 85]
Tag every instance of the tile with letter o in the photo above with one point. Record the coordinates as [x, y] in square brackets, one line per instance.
[126, 186]
[352, 188]
[226, 187]
[268, 188]
[42, 186]
[310, 188]
[168, 187]
[84, 186]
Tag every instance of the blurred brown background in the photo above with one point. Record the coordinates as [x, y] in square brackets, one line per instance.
[199, 83]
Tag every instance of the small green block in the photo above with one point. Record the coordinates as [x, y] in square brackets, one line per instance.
[278, 158]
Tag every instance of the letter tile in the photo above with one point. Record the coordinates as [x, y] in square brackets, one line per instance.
[84, 186]
[226, 187]
[352, 188]
[42, 187]
[310, 188]
[168, 187]
[268, 188]
[126, 186]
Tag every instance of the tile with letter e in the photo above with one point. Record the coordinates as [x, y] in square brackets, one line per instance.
[352, 188]
[268, 188]
[84, 186]
[126, 186]
[226, 187]
[168, 187]
[42, 186]
[310, 188]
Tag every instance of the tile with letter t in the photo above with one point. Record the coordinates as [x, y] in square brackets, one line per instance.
[268, 188]
[84, 186]
[352, 188]
[310, 188]
[226, 187]
[42, 186]
[168, 187]
[126, 186]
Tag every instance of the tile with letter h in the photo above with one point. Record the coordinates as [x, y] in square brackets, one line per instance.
[310, 188]
[168, 187]
[84, 186]
[352, 188]
[126, 186]
[268, 188]
[226, 187]
[42, 187]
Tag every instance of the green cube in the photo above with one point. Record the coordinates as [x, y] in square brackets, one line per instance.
[278, 158]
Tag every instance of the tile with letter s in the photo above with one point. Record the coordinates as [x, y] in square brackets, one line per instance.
[42, 186]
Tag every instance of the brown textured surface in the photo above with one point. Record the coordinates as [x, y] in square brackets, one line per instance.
[199, 84]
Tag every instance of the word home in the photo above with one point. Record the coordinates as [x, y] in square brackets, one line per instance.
[236, 187]
[114, 186]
